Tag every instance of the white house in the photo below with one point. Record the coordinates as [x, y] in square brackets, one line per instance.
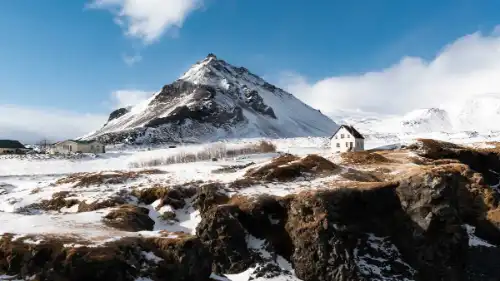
[77, 146]
[346, 138]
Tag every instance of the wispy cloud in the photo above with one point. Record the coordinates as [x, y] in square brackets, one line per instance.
[124, 98]
[132, 60]
[466, 67]
[33, 124]
[148, 20]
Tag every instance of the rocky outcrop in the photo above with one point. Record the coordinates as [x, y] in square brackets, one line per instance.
[484, 161]
[118, 113]
[225, 237]
[288, 167]
[411, 229]
[256, 102]
[179, 259]
[129, 218]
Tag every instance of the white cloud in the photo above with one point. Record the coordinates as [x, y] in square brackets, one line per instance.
[33, 124]
[467, 67]
[148, 20]
[124, 98]
[131, 60]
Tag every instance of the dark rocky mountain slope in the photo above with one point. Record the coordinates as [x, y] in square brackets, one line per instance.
[214, 100]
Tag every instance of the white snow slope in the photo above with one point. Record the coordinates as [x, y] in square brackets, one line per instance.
[426, 120]
[233, 89]
[481, 113]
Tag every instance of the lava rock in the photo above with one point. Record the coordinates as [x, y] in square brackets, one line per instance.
[225, 237]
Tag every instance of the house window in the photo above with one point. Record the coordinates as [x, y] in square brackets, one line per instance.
[346, 144]
[342, 136]
[351, 144]
[338, 144]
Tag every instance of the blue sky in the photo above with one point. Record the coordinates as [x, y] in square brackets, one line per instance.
[70, 56]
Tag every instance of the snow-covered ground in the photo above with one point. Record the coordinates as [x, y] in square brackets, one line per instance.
[29, 180]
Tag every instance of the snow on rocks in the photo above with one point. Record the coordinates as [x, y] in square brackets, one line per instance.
[475, 241]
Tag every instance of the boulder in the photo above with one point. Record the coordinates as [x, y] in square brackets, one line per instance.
[129, 218]
[225, 237]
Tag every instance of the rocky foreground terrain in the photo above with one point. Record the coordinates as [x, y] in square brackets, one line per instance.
[428, 211]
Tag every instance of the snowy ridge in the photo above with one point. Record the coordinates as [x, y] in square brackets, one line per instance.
[426, 120]
[480, 113]
[215, 100]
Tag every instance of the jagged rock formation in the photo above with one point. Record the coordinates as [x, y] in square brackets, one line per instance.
[118, 113]
[214, 100]
[179, 259]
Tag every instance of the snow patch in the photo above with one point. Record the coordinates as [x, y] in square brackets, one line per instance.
[475, 241]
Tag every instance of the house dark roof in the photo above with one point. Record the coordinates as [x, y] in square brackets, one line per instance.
[77, 141]
[12, 144]
[351, 130]
[83, 142]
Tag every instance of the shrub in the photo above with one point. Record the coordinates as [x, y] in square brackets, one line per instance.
[210, 152]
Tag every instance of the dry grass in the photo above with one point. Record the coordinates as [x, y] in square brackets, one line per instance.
[56, 203]
[150, 195]
[288, 167]
[213, 152]
[242, 183]
[266, 147]
[360, 176]
[494, 149]
[243, 202]
[168, 195]
[364, 185]
[113, 177]
[364, 158]
[494, 216]
[129, 218]
[232, 169]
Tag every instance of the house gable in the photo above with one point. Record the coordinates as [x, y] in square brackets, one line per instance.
[350, 130]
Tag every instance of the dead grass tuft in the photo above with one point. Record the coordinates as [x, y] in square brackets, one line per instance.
[113, 177]
[56, 203]
[150, 195]
[266, 147]
[288, 167]
[212, 152]
[360, 176]
[232, 169]
[168, 195]
[364, 158]
[494, 216]
[242, 202]
[129, 218]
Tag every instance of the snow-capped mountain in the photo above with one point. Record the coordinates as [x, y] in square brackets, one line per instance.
[214, 100]
[426, 120]
[480, 113]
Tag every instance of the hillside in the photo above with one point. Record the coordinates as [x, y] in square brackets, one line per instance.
[428, 212]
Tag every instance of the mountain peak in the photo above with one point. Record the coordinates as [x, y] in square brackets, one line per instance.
[212, 55]
[215, 100]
